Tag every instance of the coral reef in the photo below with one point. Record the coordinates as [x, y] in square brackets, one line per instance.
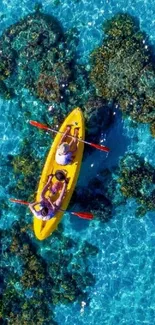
[99, 117]
[48, 88]
[38, 55]
[137, 180]
[153, 129]
[32, 289]
[123, 70]
[35, 56]
[6, 92]
[25, 170]
[5, 169]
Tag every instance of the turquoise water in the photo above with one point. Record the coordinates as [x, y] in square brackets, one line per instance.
[123, 269]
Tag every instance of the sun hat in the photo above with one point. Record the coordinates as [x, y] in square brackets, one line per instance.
[63, 148]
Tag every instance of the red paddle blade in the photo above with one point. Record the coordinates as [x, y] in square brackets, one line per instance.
[19, 201]
[84, 215]
[39, 125]
[97, 146]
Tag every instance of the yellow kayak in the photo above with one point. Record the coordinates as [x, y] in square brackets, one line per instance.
[43, 229]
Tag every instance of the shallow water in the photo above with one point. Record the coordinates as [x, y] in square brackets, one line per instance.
[125, 264]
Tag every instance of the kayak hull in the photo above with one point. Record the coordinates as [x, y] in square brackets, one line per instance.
[44, 229]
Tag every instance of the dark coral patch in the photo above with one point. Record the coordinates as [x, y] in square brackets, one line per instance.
[34, 284]
[34, 54]
[137, 180]
[123, 68]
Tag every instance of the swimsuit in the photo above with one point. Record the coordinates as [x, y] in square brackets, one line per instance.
[39, 216]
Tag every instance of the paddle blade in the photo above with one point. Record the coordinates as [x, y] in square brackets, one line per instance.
[19, 201]
[102, 148]
[39, 125]
[84, 215]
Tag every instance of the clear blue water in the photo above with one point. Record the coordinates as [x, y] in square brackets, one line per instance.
[124, 268]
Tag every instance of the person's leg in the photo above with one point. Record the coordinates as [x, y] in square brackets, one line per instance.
[58, 202]
[67, 132]
[46, 187]
[74, 141]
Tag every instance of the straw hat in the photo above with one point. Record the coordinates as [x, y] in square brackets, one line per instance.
[63, 148]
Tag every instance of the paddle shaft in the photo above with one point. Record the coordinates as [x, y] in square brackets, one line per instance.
[84, 215]
[19, 201]
[100, 147]
[26, 203]
[44, 127]
[68, 135]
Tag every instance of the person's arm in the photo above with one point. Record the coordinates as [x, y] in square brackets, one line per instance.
[58, 202]
[64, 136]
[51, 203]
[46, 187]
[31, 207]
[34, 212]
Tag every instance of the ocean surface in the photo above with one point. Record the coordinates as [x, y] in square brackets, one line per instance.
[124, 267]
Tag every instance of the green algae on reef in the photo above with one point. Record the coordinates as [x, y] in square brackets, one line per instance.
[123, 69]
[137, 180]
[29, 295]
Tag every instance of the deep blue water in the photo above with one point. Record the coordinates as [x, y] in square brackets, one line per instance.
[124, 268]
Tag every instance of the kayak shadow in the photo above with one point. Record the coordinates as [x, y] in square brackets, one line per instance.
[92, 199]
[116, 138]
[97, 184]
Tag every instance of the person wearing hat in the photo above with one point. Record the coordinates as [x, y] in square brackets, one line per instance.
[64, 154]
[46, 207]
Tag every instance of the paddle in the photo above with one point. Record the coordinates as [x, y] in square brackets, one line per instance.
[83, 215]
[44, 127]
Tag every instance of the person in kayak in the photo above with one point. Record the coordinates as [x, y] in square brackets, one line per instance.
[64, 154]
[47, 207]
